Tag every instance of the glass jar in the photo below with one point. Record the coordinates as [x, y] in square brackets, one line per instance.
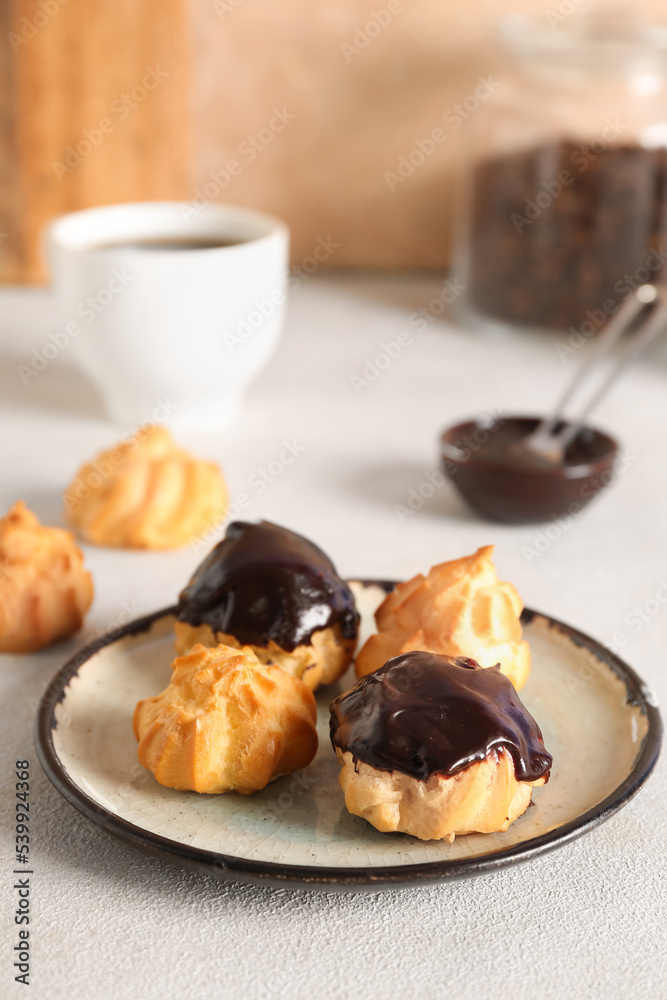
[566, 207]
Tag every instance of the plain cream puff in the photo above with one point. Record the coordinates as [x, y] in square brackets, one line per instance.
[146, 493]
[45, 590]
[460, 608]
[226, 722]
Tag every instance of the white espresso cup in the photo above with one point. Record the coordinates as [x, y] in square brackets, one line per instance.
[171, 308]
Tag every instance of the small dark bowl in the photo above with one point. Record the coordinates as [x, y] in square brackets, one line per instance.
[531, 494]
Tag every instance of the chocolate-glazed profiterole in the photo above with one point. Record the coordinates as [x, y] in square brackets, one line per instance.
[424, 714]
[274, 590]
[437, 746]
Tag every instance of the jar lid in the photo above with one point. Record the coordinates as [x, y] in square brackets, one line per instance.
[605, 37]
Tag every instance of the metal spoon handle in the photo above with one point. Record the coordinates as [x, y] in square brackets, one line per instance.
[654, 325]
[612, 332]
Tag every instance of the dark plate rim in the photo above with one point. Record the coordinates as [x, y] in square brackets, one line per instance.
[336, 879]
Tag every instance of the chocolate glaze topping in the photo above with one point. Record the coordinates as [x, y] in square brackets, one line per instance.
[424, 714]
[264, 582]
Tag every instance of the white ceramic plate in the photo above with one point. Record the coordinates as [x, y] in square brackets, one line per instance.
[599, 721]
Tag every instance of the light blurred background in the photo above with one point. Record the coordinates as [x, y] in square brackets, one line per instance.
[353, 98]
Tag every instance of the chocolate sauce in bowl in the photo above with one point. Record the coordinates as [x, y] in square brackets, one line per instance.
[478, 457]
[264, 582]
[424, 714]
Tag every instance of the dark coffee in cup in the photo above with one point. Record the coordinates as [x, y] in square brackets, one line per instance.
[166, 243]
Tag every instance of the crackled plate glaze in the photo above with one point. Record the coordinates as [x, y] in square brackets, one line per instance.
[600, 722]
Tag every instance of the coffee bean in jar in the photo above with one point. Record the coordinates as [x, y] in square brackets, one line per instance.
[561, 232]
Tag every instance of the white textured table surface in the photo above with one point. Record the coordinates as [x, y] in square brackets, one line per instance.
[587, 920]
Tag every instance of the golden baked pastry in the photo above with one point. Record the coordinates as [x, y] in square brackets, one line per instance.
[274, 591]
[437, 747]
[225, 723]
[321, 661]
[44, 589]
[483, 798]
[146, 493]
[460, 609]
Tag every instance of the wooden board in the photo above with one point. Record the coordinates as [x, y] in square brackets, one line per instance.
[315, 103]
[93, 111]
